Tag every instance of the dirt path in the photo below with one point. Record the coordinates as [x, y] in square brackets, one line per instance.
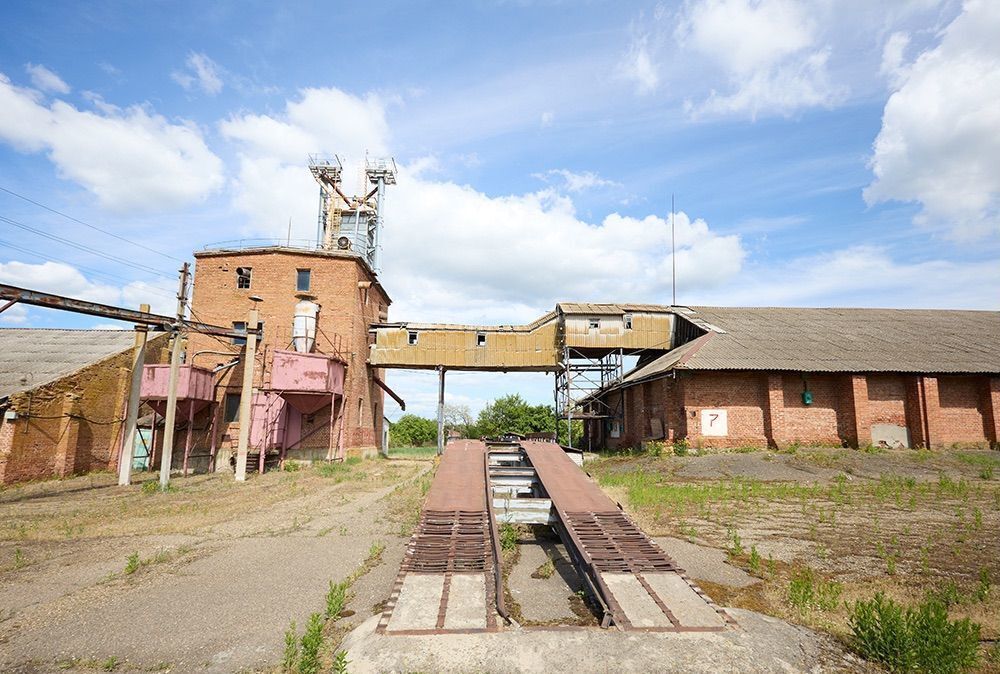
[222, 572]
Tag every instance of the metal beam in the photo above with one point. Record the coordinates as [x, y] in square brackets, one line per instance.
[42, 299]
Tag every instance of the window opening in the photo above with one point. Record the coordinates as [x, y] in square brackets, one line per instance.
[232, 407]
[303, 277]
[412, 338]
[243, 275]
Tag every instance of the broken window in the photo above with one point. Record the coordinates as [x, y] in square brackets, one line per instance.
[481, 339]
[594, 323]
[628, 321]
[243, 277]
[412, 338]
[240, 326]
[232, 412]
[303, 277]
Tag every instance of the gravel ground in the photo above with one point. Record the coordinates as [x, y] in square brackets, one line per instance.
[216, 597]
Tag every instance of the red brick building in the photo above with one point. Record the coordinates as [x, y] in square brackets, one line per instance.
[349, 299]
[777, 377]
[63, 395]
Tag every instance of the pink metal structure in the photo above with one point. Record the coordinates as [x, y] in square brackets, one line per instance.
[195, 392]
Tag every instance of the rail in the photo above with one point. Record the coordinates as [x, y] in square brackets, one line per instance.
[495, 539]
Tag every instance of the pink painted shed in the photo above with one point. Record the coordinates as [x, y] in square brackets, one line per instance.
[307, 381]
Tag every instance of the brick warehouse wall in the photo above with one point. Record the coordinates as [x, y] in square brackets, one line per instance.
[72, 425]
[767, 408]
[346, 312]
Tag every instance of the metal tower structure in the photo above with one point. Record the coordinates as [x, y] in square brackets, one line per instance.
[352, 223]
[581, 375]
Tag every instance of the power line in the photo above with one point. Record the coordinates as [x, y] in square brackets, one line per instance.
[87, 224]
[82, 247]
[91, 270]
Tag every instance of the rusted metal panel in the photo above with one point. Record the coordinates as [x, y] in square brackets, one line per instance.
[193, 383]
[306, 373]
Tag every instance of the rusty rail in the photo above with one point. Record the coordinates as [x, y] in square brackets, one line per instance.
[495, 542]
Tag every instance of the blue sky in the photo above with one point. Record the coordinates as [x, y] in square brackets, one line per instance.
[821, 153]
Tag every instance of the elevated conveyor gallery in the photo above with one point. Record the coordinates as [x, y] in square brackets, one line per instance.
[450, 579]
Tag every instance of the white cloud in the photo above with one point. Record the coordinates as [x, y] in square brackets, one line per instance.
[866, 276]
[577, 182]
[893, 56]
[45, 79]
[939, 144]
[64, 279]
[15, 315]
[202, 72]
[273, 183]
[131, 159]
[639, 67]
[547, 118]
[767, 49]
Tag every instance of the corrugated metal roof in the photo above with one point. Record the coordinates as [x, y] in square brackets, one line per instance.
[32, 357]
[601, 309]
[935, 341]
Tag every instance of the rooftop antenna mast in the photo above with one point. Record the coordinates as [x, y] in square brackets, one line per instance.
[673, 254]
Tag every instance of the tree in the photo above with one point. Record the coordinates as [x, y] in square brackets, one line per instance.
[412, 431]
[458, 417]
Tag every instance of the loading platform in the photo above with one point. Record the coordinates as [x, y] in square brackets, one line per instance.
[450, 580]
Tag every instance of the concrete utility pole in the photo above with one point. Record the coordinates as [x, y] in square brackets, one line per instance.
[440, 411]
[248, 367]
[175, 369]
[132, 413]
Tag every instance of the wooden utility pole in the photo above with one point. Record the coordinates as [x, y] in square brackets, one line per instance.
[249, 358]
[132, 413]
[175, 368]
[440, 411]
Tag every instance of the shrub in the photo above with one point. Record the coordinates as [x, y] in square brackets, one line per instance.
[309, 645]
[681, 447]
[132, 563]
[915, 639]
[755, 560]
[508, 536]
[336, 599]
[291, 653]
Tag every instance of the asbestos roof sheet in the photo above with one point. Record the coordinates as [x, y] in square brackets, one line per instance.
[32, 357]
[599, 309]
[933, 341]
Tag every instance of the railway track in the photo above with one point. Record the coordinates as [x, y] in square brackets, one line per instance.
[450, 580]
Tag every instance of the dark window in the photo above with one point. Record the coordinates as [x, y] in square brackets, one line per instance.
[241, 326]
[628, 321]
[302, 279]
[412, 338]
[232, 412]
[243, 275]
[481, 339]
[594, 323]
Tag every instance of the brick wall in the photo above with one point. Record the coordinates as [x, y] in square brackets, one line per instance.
[72, 425]
[345, 314]
[766, 408]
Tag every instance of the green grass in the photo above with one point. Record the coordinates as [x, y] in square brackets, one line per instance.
[413, 452]
[132, 563]
[808, 590]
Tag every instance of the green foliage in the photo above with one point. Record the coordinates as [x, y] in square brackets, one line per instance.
[807, 590]
[982, 591]
[290, 656]
[110, 665]
[755, 561]
[340, 663]
[310, 644]
[132, 563]
[19, 558]
[336, 599]
[412, 431]
[915, 639]
[508, 536]
[513, 414]
[150, 487]
[735, 547]
[986, 473]
[681, 447]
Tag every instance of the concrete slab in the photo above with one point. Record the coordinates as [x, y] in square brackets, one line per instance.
[466, 602]
[639, 607]
[543, 599]
[705, 563]
[418, 602]
[690, 609]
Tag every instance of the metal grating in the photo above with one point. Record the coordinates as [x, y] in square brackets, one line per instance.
[449, 541]
[616, 545]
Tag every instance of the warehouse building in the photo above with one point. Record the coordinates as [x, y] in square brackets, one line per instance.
[62, 399]
[780, 377]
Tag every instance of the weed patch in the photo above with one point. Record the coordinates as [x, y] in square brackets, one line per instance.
[807, 590]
